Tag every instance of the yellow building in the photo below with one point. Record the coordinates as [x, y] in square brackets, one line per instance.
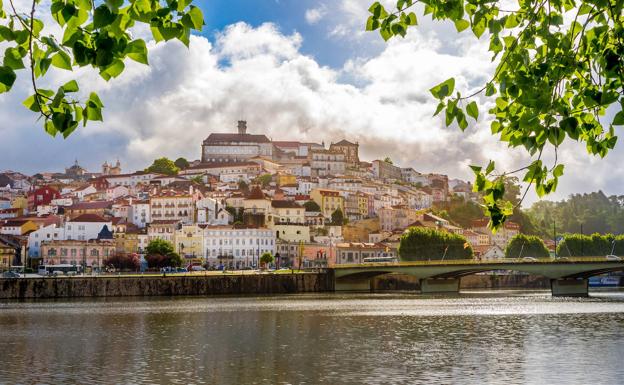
[189, 242]
[170, 205]
[362, 200]
[328, 200]
[19, 202]
[286, 179]
[359, 231]
[17, 226]
[284, 211]
[7, 253]
[126, 236]
[292, 232]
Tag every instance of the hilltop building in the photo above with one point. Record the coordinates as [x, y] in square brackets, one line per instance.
[224, 147]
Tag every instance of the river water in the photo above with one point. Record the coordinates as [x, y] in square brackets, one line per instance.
[498, 337]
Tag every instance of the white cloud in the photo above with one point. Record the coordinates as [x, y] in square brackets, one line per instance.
[314, 15]
[260, 75]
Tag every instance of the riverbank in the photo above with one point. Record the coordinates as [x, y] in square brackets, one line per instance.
[200, 285]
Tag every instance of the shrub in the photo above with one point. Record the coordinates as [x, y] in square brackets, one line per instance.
[421, 244]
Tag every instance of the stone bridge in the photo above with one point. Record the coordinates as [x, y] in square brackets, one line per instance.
[568, 276]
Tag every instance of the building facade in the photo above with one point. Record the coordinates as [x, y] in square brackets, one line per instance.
[235, 147]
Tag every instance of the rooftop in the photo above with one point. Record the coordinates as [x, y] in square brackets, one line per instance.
[90, 218]
[217, 138]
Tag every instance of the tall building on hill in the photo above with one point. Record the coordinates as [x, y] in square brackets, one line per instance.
[350, 151]
[109, 169]
[225, 147]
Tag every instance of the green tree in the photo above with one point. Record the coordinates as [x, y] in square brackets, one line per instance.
[266, 259]
[526, 246]
[421, 244]
[175, 260]
[578, 245]
[264, 179]
[554, 80]
[182, 163]
[159, 247]
[197, 179]
[338, 218]
[163, 166]
[95, 34]
[236, 213]
[312, 206]
[462, 212]
[388, 160]
[580, 213]
[243, 186]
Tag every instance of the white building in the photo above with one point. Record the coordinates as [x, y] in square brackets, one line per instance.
[237, 248]
[86, 227]
[327, 162]
[139, 212]
[46, 233]
[220, 147]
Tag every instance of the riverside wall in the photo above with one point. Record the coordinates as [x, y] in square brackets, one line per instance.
[120, 286]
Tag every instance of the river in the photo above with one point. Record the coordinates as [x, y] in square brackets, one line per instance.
[498, 337]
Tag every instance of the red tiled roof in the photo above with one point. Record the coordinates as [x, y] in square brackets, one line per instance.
[89, 218]
[93, 205]
[345, 142]
[256, 193]
[217, 138]
[285, 204]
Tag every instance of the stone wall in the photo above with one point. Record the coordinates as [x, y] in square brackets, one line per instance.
[119, 286]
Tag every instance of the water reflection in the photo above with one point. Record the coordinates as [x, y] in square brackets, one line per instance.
[511, 337]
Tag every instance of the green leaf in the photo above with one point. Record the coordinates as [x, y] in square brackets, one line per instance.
[618, 120]
[411, 19]
[70, 86]
[137, 51]
[50, 129]
[31, 104]
[443, 89]
[62, 60]
[558, 171]
[372, 23]
[378, 10]
[473, 110]
[113, 70]
[490, 167]
[114, 5]
[13, 58]
[95, 99]
[556, 136]
[461, 24]
[439, 109]
[102, 16]
[7, 78]
[197, 17]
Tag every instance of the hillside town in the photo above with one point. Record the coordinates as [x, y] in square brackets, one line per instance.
[308, 204]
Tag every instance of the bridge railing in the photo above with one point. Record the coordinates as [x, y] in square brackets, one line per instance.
[478, 262]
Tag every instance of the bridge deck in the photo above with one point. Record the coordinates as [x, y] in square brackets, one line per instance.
[476, 262]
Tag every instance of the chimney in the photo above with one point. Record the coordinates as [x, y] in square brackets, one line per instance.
[242, 127]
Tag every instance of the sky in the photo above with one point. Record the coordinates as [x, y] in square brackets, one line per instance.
[294, 70]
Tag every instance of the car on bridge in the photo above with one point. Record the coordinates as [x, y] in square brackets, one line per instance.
[612, 257]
